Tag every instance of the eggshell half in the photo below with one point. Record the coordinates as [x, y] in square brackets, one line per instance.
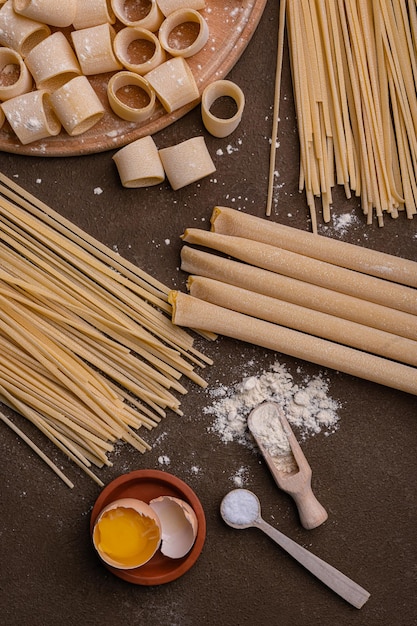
[179, 525]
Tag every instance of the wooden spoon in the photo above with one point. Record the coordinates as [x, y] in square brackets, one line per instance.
[290, 469]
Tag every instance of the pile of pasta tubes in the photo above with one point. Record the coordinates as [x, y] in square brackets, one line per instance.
[89, 352]
[329, 302]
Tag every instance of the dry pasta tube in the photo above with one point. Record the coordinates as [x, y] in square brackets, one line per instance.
[228, 221]
[139, 164]
[52, 62]
[123, 49]
[174, 84]
[216, 126]
[176, 19]
[92, 13]
[130, 82]
[309, 270]
[169, 6]
[192, 312]
[19, 32]
[127, 14]
[94, 49]
[15, 78]
[31, 116]
[187, 162]
[315, 323]
[47, 11]
[298, 292]
[77, 106]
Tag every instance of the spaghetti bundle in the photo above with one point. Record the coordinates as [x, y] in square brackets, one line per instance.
[354, 72]
[89, 352]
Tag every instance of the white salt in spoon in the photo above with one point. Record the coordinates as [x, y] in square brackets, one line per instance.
[240, 508]
[286, 461]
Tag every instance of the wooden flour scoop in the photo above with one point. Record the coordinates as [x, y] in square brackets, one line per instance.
[286, 461]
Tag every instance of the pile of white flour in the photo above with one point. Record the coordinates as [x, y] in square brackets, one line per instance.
[308, 408]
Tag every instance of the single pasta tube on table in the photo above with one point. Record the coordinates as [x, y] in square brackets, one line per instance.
[59, 14]
[169, 6]
[139, 164]
[310, 270]
[127, 15]
[187, 162]
[174, 84]
[174, 21]
[92, 13]
[94, 49]
[77, 105]
[53, 62]
[298, 292]
[15, 78]
[134, 84]
[216, 126]
[18, 32]
[129, 37]
[306, 320]
[192, 312]
[31, 116]
[228, 221]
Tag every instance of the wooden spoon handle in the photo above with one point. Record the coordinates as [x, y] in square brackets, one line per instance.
[333, 578]
[311, 512]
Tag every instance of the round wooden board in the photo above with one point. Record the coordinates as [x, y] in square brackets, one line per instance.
[231, 25]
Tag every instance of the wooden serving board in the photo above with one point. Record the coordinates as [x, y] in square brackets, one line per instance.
[231, 26]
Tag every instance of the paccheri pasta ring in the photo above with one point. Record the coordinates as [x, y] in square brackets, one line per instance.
[176, 19]
[31, 116]
[15, 78]
[77, 105]
[169, 6]
[216, 126]
[92, 13]
[19, 32]
[139, 164]
[152, 20]
[126, 39]
[51, 12]
[123, 109]
[187, 162]
[53, 62]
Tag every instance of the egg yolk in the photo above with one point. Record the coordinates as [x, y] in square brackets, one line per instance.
[127, 537]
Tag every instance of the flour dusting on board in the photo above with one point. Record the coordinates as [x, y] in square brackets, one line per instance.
[307, 406]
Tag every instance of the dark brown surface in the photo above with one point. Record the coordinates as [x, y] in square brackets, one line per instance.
[364, 474]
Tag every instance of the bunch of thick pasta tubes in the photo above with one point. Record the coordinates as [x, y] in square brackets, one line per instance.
[89, 353]
[331, 303]
[354, 72]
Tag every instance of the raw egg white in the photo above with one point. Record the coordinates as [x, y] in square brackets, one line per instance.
[179, 525]
[127, 533]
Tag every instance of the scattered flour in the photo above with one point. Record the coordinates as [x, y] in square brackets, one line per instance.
[308, 408]
[240, 477]
[164, 460]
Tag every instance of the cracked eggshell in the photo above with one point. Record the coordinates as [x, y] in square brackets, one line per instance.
[179, 525]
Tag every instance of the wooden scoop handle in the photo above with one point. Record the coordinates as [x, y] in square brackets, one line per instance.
[311, 512]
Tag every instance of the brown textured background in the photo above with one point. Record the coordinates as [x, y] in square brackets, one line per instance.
[364, 474]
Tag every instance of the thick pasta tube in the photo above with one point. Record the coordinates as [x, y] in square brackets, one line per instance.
[92, 13]
[132, 86]
[187, 162]
[305, 320]
[53, 62]
[77, 105]
[308, 269]
[19, 32]
[31, 116]
[174, 84]
[169, 6]
[219, 126]
[298, 292]
[192, 312]
[174, 21]
[125, 44]
[126, 14]
[227, 221]
[139, 164]
[15, 78]
[47, 11]
[94, 49]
